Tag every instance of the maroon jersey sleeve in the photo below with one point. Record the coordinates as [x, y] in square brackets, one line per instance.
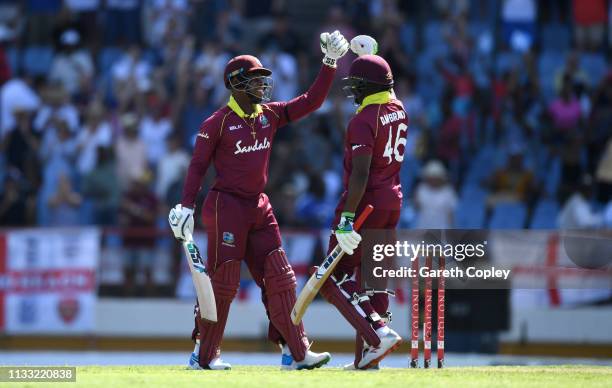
[361, 136]
[206, 142]
[307, 102]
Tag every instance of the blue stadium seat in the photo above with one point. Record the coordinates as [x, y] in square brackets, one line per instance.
[556, 37]
[476, 29]
[433, 33]
[553, 177]
[483, 165]
[548, 64]
[408, 37]
[470, 213]
[37, 60]
[595, 66]
[473, 192]
[430, 82]
[507, 61]
[106, 58]
[409, 172]
[12, 55]
[545, 215]
[508, 216]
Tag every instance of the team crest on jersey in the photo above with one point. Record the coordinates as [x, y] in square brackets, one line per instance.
[264, 121]
[228, 239]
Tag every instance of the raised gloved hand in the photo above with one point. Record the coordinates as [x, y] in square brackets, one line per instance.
[334, 46]
[181, 222]
[348, 239]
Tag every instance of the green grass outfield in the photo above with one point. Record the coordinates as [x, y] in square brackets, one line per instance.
[253, 376]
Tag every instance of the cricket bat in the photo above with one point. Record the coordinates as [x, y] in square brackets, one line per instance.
[201, 281]
[314, 284]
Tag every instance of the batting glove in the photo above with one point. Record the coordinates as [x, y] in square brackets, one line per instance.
[348, 239]
[334, 46]
[181, 222]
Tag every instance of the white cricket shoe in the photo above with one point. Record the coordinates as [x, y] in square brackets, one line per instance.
[373, 355]
[311, 361]
[215, 364]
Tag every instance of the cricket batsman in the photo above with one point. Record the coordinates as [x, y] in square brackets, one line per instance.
[239, 220]
[373, 153]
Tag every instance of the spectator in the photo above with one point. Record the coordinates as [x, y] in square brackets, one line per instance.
[230, 27]
[100, 189]
[64, 204]
[456, 133]
[311, 208]
[590, 17]
[154, 128]
[172, 166]
[389, 49]
[95, 133]
[284, 66]
[166, 20]
[209, 66]
[58, 144]
[131, 151]
[512, 183]
[131, 75]
[56, 107]
[137, 211]
[435, 198]
[413, 103]
[565, 111]
[72, 67]
[336, 20]
[21, 146]
[571, 72]
[576, 212]
[15, 95]
[282, 37]
[197, 106]
[13, 202]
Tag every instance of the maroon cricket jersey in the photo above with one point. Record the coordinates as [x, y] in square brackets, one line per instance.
[240, 147]
[378, 130]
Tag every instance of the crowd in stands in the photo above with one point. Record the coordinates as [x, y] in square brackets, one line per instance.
[510, 105]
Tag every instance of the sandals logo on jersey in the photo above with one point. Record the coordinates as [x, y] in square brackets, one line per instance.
[264, 121]
[228, 239]
[257, 146]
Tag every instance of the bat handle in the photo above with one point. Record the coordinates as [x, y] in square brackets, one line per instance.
[188, 237]
[362, 217]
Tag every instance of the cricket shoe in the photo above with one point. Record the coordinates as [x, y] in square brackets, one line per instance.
[374, 354]
[311, 361]
[351, 366]
[215, 364]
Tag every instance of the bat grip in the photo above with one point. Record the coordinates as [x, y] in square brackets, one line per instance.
[362, 217]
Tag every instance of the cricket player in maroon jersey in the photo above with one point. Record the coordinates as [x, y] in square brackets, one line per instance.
[373, 152]
[238, 216]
